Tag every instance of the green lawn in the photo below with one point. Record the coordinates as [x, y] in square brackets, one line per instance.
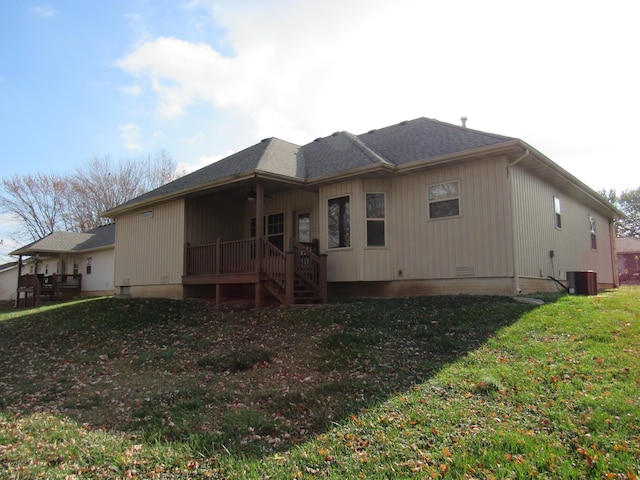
[433, 387]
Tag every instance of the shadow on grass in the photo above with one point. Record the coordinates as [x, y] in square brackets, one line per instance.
[246, 383]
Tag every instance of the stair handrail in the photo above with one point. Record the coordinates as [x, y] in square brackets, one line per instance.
[307, 264]
[274, 263]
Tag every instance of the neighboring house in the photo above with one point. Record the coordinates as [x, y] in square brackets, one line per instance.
[78, 264]
[628, 253]
[8, 281]
[421, 207]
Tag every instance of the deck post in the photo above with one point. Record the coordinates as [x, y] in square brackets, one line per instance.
[259, 294]
[322, 280]
[289, 293]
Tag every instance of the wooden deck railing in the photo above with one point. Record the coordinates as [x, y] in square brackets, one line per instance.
[201, 259]
[221, 257]
[300, 264]
[34, 288]
[238, 256]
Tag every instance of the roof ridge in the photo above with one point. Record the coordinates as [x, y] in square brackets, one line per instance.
[366, 150]
[268, 150]
[460, 127]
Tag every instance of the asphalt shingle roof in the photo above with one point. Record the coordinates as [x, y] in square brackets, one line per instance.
[422, 139]
[337, 153]
[59, 242]
[410, 141]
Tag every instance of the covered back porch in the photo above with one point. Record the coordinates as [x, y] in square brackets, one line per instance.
[258, 238]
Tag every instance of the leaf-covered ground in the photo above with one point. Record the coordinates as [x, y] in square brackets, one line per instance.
[253, 381]
[454, 387]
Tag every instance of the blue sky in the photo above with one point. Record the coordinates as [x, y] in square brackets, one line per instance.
[205, 78]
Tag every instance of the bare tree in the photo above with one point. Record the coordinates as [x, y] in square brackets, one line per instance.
[38, 202]
[43, 203]
[104, 184]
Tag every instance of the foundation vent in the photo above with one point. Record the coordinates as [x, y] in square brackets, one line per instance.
[465, 271]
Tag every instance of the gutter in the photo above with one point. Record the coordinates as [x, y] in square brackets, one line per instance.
[514, 248]
[410, 167]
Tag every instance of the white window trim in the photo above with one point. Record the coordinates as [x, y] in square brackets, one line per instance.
[383, 220]
[557, 211]
[459, 198]
[593, 232]
[333, 249]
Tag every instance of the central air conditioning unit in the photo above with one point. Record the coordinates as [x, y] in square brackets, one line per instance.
[582, 283]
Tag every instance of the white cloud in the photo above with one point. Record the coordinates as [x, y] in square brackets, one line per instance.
[188, 167]
[300, 70]
[130, 133]
[43, 11]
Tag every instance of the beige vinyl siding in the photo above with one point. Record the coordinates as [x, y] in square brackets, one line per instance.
[344, 264]
[150, 251]
[474, 244]
[289, 203]
[536, 233]
[209, 218]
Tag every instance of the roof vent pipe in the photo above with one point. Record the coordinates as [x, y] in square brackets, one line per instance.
[464, 121]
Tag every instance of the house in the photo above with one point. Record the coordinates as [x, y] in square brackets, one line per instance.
[628, 254]
[67, 264]
[8, 281]
[420, 207]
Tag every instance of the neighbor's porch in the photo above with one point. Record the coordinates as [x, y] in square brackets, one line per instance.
[36, 288]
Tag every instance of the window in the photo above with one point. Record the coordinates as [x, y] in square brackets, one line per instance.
[444, 200]
[375, 219]
[147, 214]
[88, 265]
[304, 227]
[339, 222]
[273, 229]
[558, 213]
[76, 269]
[592, 230]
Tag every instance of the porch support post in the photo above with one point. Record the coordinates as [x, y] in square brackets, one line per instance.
[259, 223]
[259, 238]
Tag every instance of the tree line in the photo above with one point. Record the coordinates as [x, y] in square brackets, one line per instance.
[42, 203]
[628, 201]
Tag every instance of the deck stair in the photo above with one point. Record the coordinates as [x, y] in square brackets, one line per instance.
[295, 277]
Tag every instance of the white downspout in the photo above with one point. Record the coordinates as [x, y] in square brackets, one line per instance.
[516, 275]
